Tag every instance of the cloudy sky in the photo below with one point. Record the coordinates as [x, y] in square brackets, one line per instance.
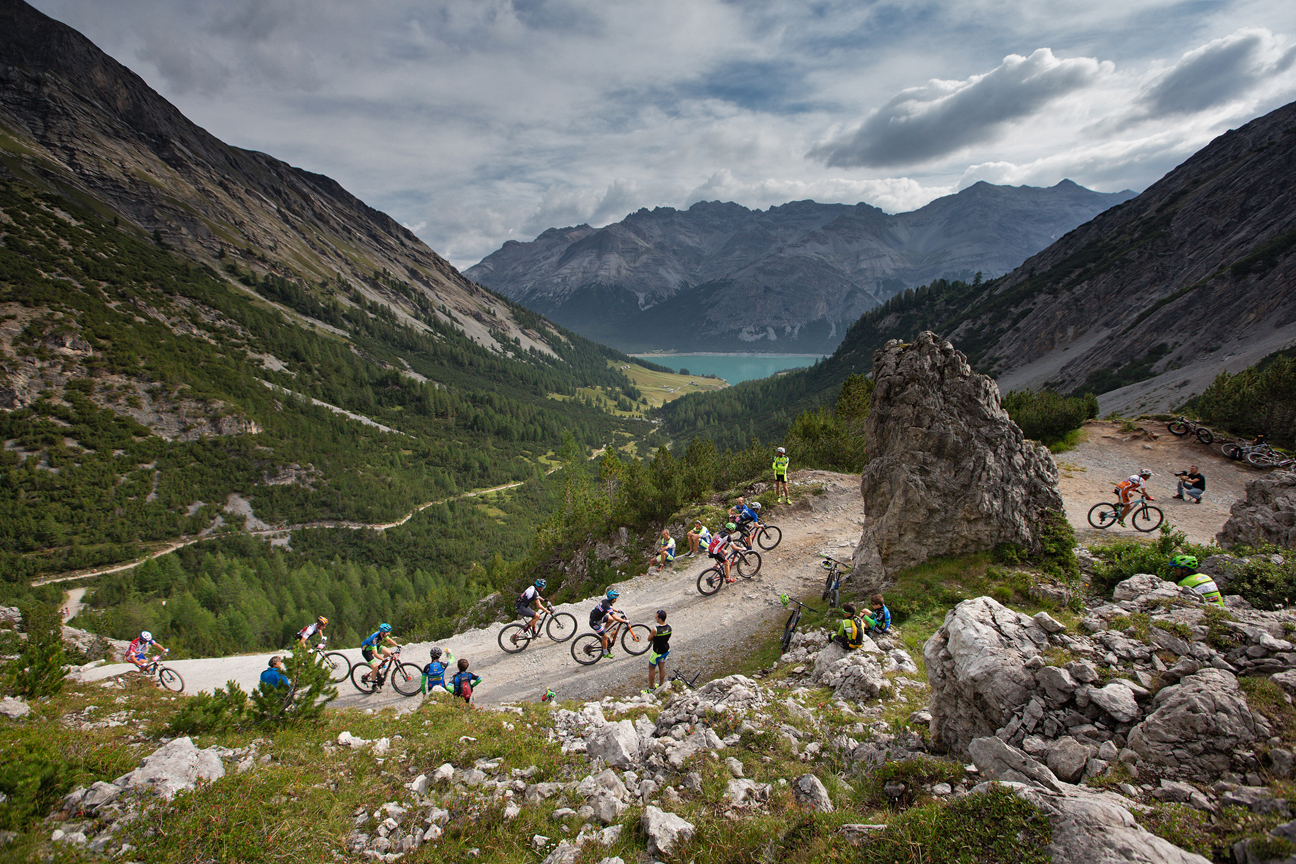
[479, 121]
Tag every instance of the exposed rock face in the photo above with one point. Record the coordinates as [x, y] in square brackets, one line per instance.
[951, 474]
[176, 766]
[1197, 724]
[1267, 515]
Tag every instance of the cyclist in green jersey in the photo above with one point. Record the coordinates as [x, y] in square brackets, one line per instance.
[660, 650]
[1183, 569]
[780, 476]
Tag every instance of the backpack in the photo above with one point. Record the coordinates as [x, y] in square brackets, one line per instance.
[463, 686]
[855, 635]
[717, 541]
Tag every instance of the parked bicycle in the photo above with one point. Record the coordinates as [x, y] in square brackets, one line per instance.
[1183, 426]
[1269, 459]
[746, 563]
[1243, 450]
[336, 662]
[832, 587]
[1143, 516]
[636, 639]
[405, 677]
[793, 620]
[688, 682]
[167, 677]
[518, 635]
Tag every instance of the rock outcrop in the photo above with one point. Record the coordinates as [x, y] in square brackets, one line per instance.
[950, 472]
[1266, 515]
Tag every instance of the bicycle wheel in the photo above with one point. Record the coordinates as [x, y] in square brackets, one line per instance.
[1232, 451]
[407, 679]
[171, 679]
[1147, 518]
[1103, 515]
[1261, 459]
[1178, 427]
[1205, 436]
[587, 649]
[338, 665]
[828, 584]
[358, 671]
[514, 637]
[644, 632]
[709, 581]
[743, 564]
[769, 537]
[561, 627]
[834, 597]
[789, 628]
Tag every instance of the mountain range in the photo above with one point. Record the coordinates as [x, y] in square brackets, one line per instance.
[721, 277]
[1144, 305]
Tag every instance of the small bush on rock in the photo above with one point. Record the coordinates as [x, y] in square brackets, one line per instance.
[989, 827]
[32, 784]
[1265, 583]
[915, 774]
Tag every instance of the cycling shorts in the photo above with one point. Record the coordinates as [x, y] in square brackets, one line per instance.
[670, 556]
[603, 626]
[1127, 495]
[524, 610]
[142, 657]
[780, 478]
[719, 556]
[654, 658]
[367, 654]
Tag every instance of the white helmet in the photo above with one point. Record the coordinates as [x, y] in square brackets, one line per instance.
[1145, 472]
[755, 505]
[146, 636]
[780, 451]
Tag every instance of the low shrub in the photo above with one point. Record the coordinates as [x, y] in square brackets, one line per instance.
[32, 783]
[1046, 416]
[38, 671]
[1264, 583]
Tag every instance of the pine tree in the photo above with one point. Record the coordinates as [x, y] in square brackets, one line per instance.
[38, 670]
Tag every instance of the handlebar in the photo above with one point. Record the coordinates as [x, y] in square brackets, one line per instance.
[785, 600]
[835, 561]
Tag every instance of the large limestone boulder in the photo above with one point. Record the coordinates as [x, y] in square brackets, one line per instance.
[1197, 724]
[976, 665]
[1266, 515]
[950, 473]
[174, 767]
[666, 831]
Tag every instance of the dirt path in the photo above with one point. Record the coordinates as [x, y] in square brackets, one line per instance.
[1108, 455]
[704, 627]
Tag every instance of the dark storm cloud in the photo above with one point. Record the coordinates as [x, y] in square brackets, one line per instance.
[1216, 73]
[925, 123]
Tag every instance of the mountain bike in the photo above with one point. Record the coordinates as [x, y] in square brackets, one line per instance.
[167, 677]
[793, 620]
[636, 639]
[1270, 459]
[405, 677]
[832, 587]
[1143, 516]
[1183, 426]
[764, 536]
[1242, 450]
[518, 635]
[746, 563]
[336, 662]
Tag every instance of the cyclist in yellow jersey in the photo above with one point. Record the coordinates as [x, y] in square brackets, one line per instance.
[780, 475]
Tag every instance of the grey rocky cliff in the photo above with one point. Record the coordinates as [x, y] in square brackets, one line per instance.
[1266, 515]
[949, 473]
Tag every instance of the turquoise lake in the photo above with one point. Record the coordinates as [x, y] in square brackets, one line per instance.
[733, 367]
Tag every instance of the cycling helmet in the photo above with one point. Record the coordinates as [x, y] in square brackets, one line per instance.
[613, 594]
[322, 620]
[731, 526]
[780, 451]
[146, 636]
[540, 583]
[1184, 561]
[755, 505]
[386, 628]
[275, 661]
[435, 653]
[1145, 472]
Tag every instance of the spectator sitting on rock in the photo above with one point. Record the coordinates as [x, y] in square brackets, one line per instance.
[1191, 484]
[1183, 570]
[850, 632]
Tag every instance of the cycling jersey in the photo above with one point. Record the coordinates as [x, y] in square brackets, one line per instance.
[1130, 485]
[373, 640]
[667, 545]
[717, 543]
[882, 619]
[528, 596]
[434, 675]
[599, 614]
[661, 639]
[850, 633]
[139, 647]
[746, 514]
[704, 537]
[1205, 586]
[780, 466]
[309, 630]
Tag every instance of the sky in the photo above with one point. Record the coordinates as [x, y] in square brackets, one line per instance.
[476, 122]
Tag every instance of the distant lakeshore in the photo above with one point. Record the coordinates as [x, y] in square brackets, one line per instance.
[733, 368]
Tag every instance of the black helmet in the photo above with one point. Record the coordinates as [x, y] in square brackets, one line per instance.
[435, 653]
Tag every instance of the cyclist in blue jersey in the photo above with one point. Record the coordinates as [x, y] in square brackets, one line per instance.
[881, 615]
[603, 616]
[374, 649]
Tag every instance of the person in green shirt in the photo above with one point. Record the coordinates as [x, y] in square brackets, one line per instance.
[780, 476]
[1183, 569]
[851, 629]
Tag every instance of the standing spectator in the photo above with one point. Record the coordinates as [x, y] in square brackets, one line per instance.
[698, 539]
[660, 650]
[780, 476]
[1192, 484]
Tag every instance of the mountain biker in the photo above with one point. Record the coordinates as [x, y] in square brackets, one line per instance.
[721, 545]
[698, 538]
[1135, 483]
[780, 475]
[374, 649]
[602, 618]
[522, 606]
[850, 630]
[881, 615]
[665, 549]
[273, 674]
[660, 650]
[434, 672]
[137, 650]
[748, 515]
[317, 626]
[1183, 569]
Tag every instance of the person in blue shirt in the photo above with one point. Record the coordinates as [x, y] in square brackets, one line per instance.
[273, 675]
[464, 682]
[374, 649]
[434, 672]
[881, 615]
